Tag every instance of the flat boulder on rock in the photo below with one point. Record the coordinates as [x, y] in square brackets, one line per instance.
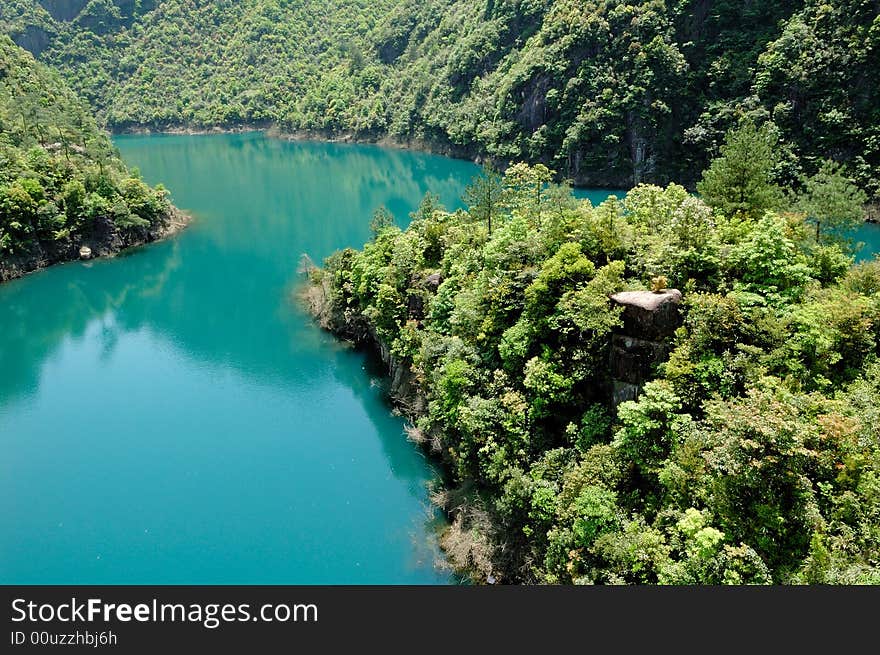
[648, 314]
[648, 300]
[85, 252]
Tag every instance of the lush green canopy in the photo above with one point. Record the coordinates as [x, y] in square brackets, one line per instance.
[61, 182]
[753, 456]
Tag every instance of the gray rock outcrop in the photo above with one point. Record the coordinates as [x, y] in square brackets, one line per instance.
[650, 320]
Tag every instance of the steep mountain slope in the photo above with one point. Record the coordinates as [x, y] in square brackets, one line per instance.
[205, 63]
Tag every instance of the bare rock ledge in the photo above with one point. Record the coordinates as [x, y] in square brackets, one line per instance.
[644, 341]
[650, 315]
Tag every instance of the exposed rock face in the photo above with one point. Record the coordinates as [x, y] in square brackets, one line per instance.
[649, 315]
[402, 385]
[649, 322]
[415, 301]
[105, 240]
[532, 113]
[33, 39]
[415, 307]
[433, 281]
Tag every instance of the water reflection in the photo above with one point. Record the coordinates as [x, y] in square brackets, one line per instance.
[177, 391]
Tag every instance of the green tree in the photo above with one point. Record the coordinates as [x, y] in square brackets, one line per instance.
[381, 221]
[769, 262]
[484, 196]
[524, 189]
[832, 201]
[650, 425]
[52, 194]
[752, 456]
[740, 181]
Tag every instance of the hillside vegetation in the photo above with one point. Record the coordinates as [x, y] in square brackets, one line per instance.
[62, 185]
[752, 456]
[606, 92]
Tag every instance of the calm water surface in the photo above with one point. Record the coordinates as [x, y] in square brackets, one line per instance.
[869, 235]
[170, 416]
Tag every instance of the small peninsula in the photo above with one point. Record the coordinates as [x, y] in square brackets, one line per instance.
[658, 389]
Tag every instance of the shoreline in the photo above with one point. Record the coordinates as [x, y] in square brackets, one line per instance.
[273, 131]
[107, 248]
[466, 554]
[188, 130]
[384, 141]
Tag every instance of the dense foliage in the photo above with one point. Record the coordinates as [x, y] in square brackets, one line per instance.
[61, 183]
[607, 92]
[210, 63]
[752, 457]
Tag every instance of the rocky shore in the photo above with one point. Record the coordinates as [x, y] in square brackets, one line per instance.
[352, 326]
[106, 240]
[642, 342]
[274, 131]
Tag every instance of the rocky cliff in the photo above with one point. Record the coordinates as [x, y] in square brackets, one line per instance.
[645, 340]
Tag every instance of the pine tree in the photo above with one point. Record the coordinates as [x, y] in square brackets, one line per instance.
[740, 181]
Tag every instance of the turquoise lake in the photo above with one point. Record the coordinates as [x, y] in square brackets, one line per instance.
[869, 236]
[171, 416]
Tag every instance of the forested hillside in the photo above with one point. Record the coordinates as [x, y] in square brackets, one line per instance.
[209, 63]
[62, 185]
[751, 455]
[606, 92]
